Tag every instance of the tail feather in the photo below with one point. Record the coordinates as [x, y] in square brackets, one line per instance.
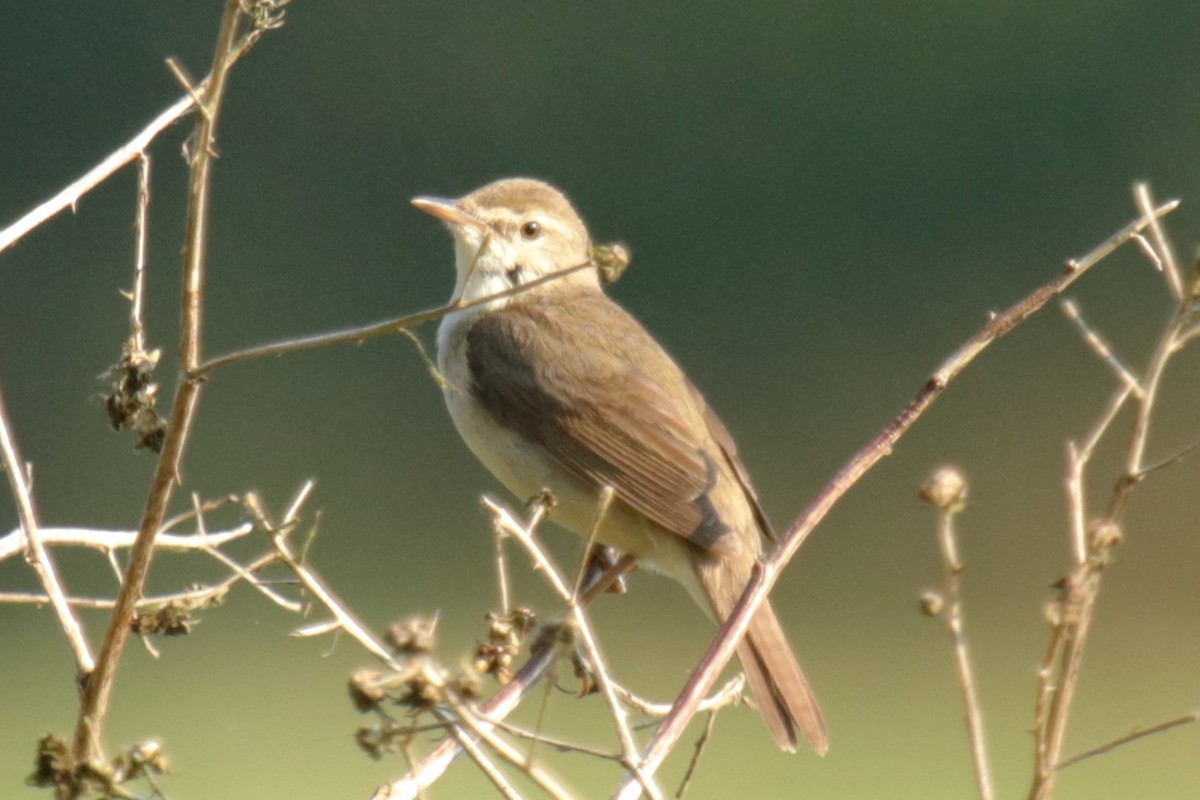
[785, 700]
[781, 692]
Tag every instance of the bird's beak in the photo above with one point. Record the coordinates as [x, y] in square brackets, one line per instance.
[448, 211]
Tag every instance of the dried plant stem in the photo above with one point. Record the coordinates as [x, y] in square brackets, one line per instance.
[1133, 736]
[542, 658]
[729, 694]
[142, 226]
[36, 554]
[481, 759]
[98, 686]
[1074, 611]
[568, 595]
[70, 196]
[705, 674]
[952, 616]
[434, 764]
[111, 541]
[710, 725]
[546, 781]
[10, 543]
[1101, 347]
[344, 619]
[360, 334]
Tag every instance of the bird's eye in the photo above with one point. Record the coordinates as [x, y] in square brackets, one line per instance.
[531, 230]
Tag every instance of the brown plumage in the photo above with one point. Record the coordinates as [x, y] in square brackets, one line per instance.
[561, 388]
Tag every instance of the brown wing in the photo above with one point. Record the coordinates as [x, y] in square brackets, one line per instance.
[729, 449]
[611, 409]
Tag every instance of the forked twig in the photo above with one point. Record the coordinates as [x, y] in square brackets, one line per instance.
[1071, 615]
[98, 685]
[755, 594]
[569, 596]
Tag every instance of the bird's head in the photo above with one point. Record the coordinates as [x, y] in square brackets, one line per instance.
[511, 232]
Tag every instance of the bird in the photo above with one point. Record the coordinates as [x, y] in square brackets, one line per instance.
[559, 388]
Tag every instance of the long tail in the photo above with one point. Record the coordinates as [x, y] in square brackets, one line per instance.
[785, 700]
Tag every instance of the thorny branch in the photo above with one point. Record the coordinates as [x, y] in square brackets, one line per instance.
[232, 42]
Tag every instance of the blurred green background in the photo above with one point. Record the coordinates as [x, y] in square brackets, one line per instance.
[822, 199]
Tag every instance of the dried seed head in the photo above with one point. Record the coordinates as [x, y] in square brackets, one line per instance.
[412, 636]
[932, 603]
[366, 689]
[945, 489]
[1106, 534]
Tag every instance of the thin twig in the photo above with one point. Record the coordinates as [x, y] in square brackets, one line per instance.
[1077, 460]
[1099, 346]
[734, 627]
[36, 554]
[142, 227]
[1133, 736]
[10, 543]
[360, 334]
[198, 594]
[431, 767]
[542, 658]
[946, 490]
[583, 628]
[311, 581]
[701, 743]
[1073, 613]
[493, 773]
[537, 773]
[70, 196]
[98, 686]
[731, 693]
[1162, 247]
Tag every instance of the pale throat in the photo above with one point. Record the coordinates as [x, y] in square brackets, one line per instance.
[477, 273]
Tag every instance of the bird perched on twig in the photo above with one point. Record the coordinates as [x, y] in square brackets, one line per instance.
[559, 388]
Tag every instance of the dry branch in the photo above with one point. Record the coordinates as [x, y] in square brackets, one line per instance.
[97, 687]
[1093, 539]
[705, 675]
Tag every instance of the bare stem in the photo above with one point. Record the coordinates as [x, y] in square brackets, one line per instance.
[545, 780]
[1133, 736]
[360, 334]
[137, 330]
[69, 196]
[705, 674]
[426, 772]
[36, 554]
[569, 596]
[344, 619]
[952, 616]
[98, 686]
[1073, 612]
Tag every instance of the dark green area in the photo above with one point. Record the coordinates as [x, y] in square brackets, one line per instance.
[822, 201]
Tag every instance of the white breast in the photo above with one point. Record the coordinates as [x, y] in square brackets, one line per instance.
[525, 471]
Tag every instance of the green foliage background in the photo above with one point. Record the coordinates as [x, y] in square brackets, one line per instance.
[822, 200]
